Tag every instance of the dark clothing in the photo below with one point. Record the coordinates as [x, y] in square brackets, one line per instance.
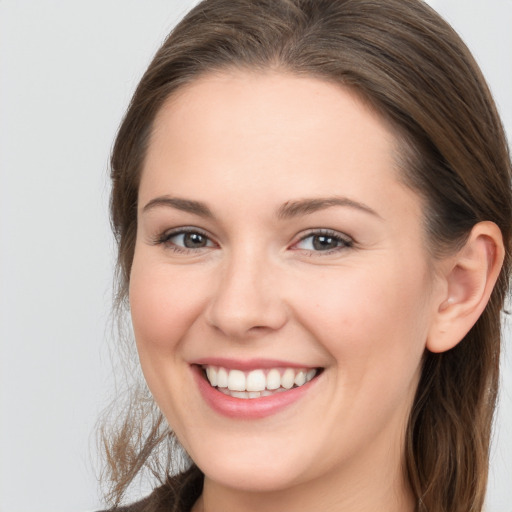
[178, 494]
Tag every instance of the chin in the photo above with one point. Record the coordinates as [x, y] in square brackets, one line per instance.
[259, 466]
[269, 477]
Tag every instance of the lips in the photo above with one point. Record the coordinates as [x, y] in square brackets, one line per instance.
[252, 390]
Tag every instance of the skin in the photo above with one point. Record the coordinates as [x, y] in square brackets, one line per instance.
[246, 144]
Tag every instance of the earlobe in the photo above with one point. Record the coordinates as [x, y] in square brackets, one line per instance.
[468, 280]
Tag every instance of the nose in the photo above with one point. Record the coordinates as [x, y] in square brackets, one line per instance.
[247, 299]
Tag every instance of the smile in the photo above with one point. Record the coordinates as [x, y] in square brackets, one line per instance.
[257, 383]
[253, 389]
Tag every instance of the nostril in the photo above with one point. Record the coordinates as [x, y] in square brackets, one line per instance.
[258, 328]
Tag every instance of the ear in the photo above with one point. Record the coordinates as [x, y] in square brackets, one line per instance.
[467, 280]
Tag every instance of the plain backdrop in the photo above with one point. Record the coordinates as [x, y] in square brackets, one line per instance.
[67, 71]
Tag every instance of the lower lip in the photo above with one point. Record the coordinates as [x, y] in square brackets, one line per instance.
[248, 408]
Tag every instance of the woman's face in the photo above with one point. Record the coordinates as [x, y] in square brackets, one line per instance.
[276, 242]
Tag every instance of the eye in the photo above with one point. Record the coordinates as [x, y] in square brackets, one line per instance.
[183, 240]
[324, 241]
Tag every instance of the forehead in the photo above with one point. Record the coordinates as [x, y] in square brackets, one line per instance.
[237, 134]
[270, 103]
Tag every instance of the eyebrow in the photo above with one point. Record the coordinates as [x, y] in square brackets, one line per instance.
[185, 205]
[288, 210]
[308, 206]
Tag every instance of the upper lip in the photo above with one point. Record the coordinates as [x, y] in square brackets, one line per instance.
[249, 364]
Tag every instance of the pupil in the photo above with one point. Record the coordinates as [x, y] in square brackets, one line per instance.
[322, 242]
[194, 240]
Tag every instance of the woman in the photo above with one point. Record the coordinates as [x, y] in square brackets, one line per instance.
[312, 203]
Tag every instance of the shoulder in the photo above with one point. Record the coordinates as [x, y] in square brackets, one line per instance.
[151, 503]
[179, 494]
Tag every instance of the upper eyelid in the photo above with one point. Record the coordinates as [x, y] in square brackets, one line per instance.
[326, 232]
[185, 229]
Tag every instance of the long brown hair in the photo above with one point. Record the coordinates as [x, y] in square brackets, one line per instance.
[409, 65]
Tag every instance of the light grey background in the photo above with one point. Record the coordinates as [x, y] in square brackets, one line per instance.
[67, 70]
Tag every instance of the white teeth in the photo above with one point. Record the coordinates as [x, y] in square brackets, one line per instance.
[257, 383]
[236, 380]
[300, 378]
[212, 375]
[273, 379]
[288, 378]
[222, 378]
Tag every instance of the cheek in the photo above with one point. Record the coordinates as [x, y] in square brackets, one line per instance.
[163, 305]
[369, 319]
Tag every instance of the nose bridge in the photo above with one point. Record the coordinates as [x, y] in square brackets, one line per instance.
[247, 297]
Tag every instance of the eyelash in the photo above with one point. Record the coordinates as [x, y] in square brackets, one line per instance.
[344, 242]
[164, 239]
